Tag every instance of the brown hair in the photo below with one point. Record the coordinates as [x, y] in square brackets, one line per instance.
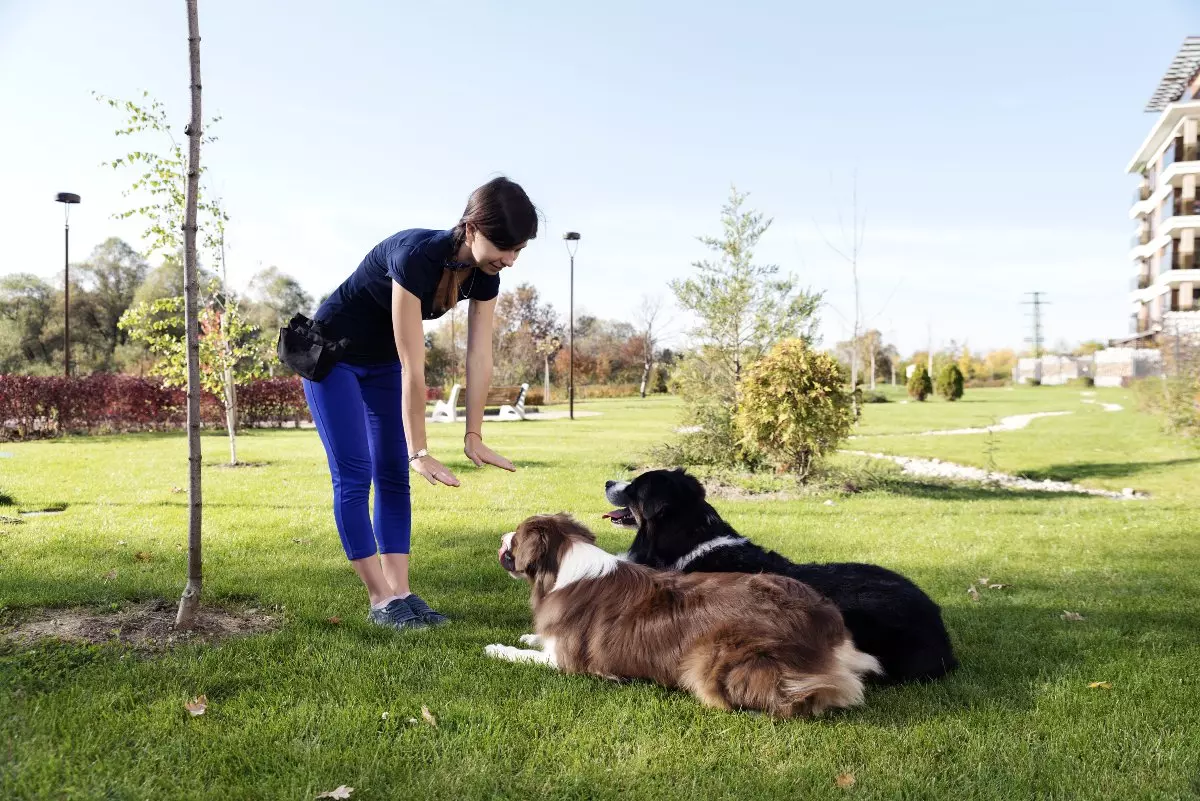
[502, 212]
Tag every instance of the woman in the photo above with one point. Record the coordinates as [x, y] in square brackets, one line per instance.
[370, 409]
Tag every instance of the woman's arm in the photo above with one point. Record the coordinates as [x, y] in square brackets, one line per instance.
[410, 345]
[480, 315]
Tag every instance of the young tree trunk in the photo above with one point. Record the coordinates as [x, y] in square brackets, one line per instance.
[872, 370]
[191, 593]
[230, 387]
[231, 416]
[645, 377]
[546, 379]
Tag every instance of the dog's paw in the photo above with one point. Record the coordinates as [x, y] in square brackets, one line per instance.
[532, 640]
[498, 651]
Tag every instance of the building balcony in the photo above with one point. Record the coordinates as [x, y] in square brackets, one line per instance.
[1173, 175]
[1178, 153]
[1156, 243]
[1164, 128]
[1173, 258]
[1176, 206]
[1140, 282]
[1140, 238]
[1176, 224]
[1149, 207]
[1139, 324]
[1142, 192]
[1172, 278]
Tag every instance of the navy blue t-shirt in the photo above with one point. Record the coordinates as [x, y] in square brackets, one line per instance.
[421, 261]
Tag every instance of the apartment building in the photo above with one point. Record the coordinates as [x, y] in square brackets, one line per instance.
[1166, 284]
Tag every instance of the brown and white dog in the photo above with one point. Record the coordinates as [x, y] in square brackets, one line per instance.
[734, 640]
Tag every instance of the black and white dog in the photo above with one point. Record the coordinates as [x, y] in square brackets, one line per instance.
[888, 616]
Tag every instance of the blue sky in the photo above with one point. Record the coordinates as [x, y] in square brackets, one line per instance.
[989, 140]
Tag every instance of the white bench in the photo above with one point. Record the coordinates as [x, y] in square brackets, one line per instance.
[447, 411]
[516, 410]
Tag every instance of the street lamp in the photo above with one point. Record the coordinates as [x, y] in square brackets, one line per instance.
[572, 241]
[68, 199]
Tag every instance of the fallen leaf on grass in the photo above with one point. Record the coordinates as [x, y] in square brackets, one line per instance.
[342, 791]
[999, 586]
[1071, 615]
[335, 620]
[973, 593]
[120, 542]
[110, 575]
[984, 581]
[384, 716]
[176, 490]
[197, 706]
[845, 780]
[428, 717]
[299, 541]
[1099, 685]
[142, 556]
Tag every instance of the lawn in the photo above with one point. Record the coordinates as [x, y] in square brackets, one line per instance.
[302, 710]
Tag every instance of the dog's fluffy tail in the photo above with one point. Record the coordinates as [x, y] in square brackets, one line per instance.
[730, 681]
[841, 685]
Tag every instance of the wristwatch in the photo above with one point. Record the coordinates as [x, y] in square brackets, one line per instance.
[418, 455]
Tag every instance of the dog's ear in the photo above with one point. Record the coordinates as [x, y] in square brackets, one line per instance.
[688, 483]
[573, 529]
[531, 544]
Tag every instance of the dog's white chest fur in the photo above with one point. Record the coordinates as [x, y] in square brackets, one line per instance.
[584, 561]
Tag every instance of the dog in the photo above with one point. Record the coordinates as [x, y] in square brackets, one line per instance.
[888, 616]
[745, 642]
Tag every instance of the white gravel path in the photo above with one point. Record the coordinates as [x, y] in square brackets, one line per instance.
[936, 468]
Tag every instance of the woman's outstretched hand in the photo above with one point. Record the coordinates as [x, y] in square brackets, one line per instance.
[434, 471]
[481, 454]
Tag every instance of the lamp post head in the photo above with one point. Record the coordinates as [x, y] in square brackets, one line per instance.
[571, 236]
[66, 197]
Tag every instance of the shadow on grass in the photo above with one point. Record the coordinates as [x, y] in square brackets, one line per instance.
[1084, 470]
[6, 499]
[972, 492]
[1009, 645]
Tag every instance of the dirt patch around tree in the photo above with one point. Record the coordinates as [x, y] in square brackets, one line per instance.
[148, 626]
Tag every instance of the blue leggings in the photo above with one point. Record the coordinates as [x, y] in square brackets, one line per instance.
[357, 411]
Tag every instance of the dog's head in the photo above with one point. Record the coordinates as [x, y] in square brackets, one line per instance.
[669, 511]
[535, 550]
[653, 494]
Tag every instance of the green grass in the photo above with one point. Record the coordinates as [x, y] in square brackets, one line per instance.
[298, 711]
[977, 408]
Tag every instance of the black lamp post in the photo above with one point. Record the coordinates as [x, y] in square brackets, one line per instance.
[67, 199]
[572, 240]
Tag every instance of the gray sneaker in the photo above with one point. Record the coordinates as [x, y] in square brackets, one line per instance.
[396, 615]
[423, 612]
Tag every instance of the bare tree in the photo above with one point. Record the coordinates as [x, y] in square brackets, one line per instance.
[546, 347]
[872, 343]
[647, 319]
[850, 253]
[191, 593]
[231, 414]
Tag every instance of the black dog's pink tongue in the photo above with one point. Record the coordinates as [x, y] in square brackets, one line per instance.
[615, 514]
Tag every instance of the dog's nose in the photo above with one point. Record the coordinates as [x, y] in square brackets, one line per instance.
[609, 484]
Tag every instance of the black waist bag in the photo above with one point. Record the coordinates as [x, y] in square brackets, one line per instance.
[304, 347]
